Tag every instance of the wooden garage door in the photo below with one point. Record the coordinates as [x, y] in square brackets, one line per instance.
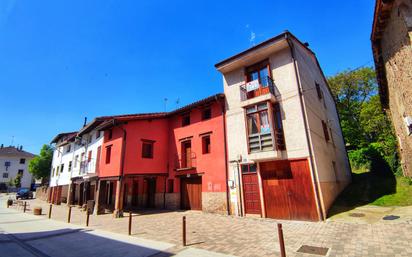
[251, 193]
[288, 190]
[191, 190]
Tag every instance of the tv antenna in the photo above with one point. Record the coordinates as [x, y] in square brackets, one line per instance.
[165, 100]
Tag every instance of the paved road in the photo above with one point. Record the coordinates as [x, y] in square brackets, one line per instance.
[26, 235]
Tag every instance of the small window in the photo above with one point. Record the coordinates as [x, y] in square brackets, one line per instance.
[57, 170]
[207, 114]
[70, 166]
[89, 139]
[89, 156]
[109, 134]
[206, 144]
[53, 170]
[22, 161]
[325, 131]
[319, 91]
[69, 148]
[76, 160]
[108, 153]
[5, 175]
[147, 149]
[249, 168]
[62, 168]
[20, 173]
[170, 184]
[97, 134]
[186, 120]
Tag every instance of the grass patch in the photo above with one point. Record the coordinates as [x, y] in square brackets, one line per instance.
[368, 188]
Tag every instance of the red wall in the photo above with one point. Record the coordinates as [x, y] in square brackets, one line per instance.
[211, 164]
[156, 130]
[112, 168]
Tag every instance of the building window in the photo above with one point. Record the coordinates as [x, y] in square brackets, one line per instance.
[57, 170]
[319, 91]
[20, 173]
[110, 134]
[70, 166]
[69, 148]
[5, 175]
[258, 128]
[279, 135]
[97, 134]
[89, 139]
[22, 161]
[325, 131]
[170, 185]
[206, 113]
[147, 149]
[108, 153]
[62, 168]
[186, 119]
[259, 72]
[249, 168]
[206, 144]
[53, 170]
[76, 160]
[7, 164]
[89, 156]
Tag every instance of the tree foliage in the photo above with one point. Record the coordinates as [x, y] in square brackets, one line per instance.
[366, 129]
[40, 165]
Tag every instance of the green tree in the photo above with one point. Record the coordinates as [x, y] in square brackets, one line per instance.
[365, 126]
[40, 165]
[17, 180]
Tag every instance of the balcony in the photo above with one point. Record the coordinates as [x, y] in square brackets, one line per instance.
[257, 88]
[186, 161]
[87, 167]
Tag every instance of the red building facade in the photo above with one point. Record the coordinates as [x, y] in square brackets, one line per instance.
[170, 160]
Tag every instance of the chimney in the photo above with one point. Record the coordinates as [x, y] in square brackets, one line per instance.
[306, 44]
[21, 148]
[85, 121]
[2, 146]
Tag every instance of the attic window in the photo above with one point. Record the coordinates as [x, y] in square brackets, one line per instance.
[206, 113]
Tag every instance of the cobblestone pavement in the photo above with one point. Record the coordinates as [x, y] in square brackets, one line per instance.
[254, 236]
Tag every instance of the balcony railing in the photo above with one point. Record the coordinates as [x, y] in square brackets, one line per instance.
[256, 88]
[87, 167]
[186, 161]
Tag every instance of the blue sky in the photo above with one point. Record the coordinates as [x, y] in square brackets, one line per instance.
[63, 60]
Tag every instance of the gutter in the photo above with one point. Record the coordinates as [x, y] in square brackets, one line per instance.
[305, 122]
[226, 158]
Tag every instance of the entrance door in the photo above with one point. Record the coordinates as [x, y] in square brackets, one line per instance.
[288, 190]
[151, 190]
[251, 193]
[81, 193]
[125, 194]
[135, 191]
[191, 193]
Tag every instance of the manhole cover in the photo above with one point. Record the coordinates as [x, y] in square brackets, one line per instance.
[391, 217]
[356, 214]
[313, 250]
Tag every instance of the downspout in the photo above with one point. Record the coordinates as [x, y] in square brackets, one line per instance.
[122, 167]
[226, 158]
[305, 122]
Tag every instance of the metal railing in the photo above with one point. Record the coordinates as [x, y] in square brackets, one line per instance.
[186, 161]
[266, 85]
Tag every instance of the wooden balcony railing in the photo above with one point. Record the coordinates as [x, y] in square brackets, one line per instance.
[186, 161]
[256, 88]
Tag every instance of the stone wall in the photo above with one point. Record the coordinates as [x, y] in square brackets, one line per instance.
[214, 202]
[42, 193]
[397, 56]
[173, 201]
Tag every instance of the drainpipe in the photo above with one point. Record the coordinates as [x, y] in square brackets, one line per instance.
[305, 122]
[226, 159]
[120, 212]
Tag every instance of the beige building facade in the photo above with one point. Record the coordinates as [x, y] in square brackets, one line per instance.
[286, 153]
[392, 50]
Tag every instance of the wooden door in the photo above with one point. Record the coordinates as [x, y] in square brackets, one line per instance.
[135, 187]
[191, 193]
[186, 154]
[151, 190]
[288, 191]
[251, 195]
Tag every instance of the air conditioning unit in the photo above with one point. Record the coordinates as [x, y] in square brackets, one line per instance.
[408, 124]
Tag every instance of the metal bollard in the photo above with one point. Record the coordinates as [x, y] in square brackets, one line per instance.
[184, 230]
[69, 214]
[24, 207]
[87, 218]
[130, 223]
[50, 211]
[281, 241]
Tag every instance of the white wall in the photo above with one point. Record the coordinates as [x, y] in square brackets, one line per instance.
[14, 167]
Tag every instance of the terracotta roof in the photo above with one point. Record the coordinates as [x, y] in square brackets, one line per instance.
[261, 45]
[13, 151]
[67, 136]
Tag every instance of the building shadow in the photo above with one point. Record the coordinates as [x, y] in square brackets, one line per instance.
[79, 242]
[366, 187]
